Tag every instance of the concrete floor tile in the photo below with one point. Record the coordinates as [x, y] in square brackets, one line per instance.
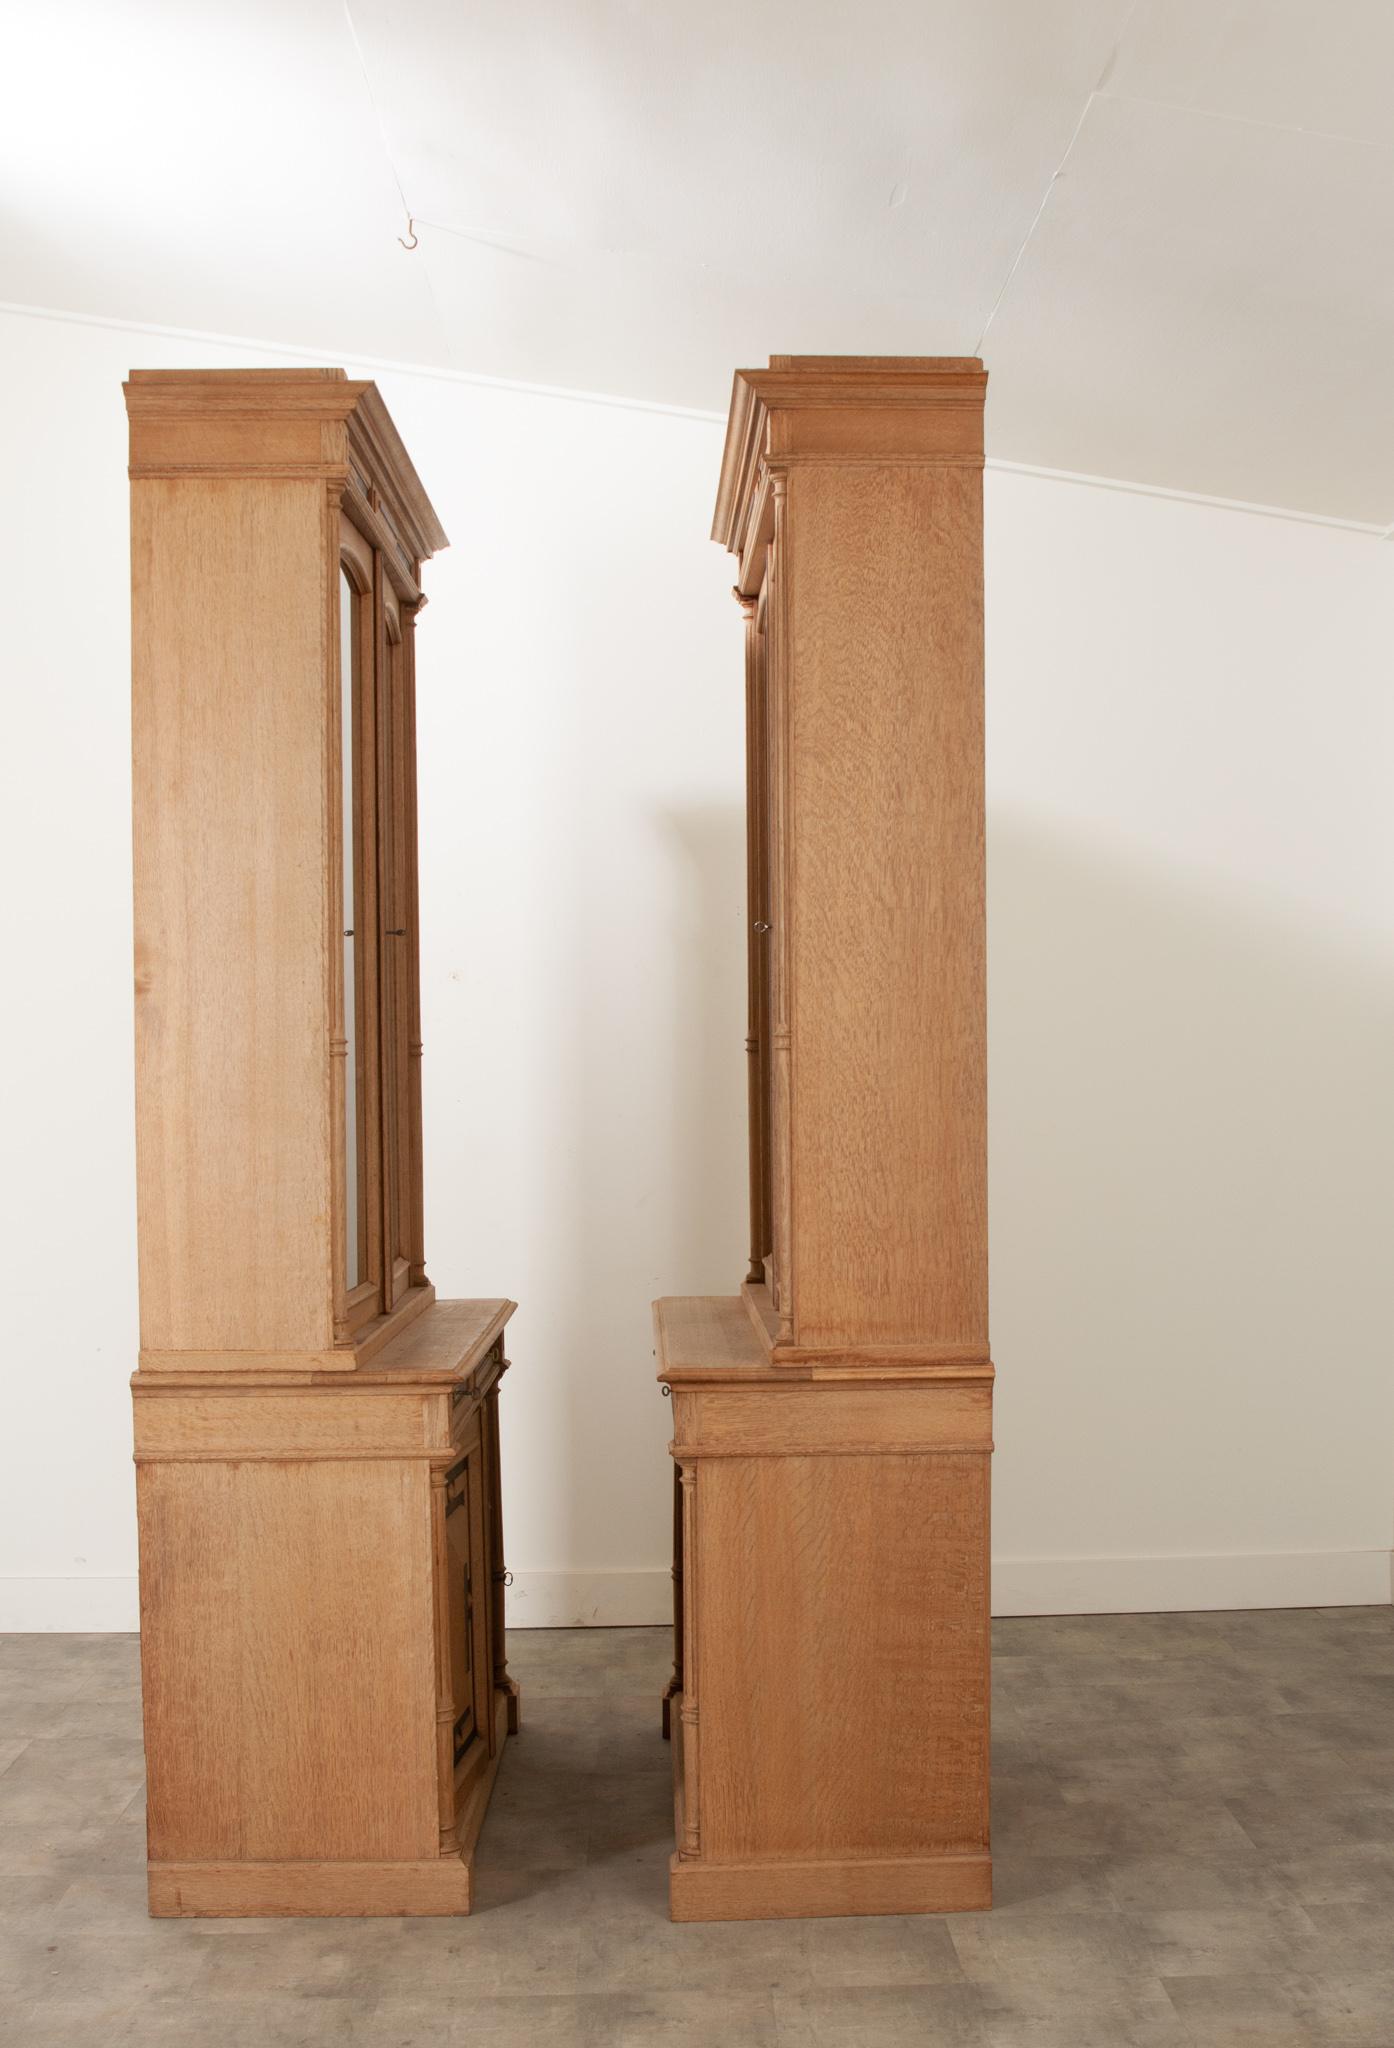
[1050, 1951]
[630, 1736]
[1094, 2002]
[1245, 2011]
[1177, 1883]
[459, 2018]
[266, 2020]
[1349, 2005]
[70, 1778]
[1229, 1941]
[1049, 1884]
[909, 2016]
[628, 1942]
[1190, 1827]
[678, 2019]
[1288, 1828]
[524, 1832]
[1072, 2028]
[1353, 1873]
[522, 1939]
[30, 1695]
[85, 1717]
[144, 1960]
[37, 1851]
[882, 1953]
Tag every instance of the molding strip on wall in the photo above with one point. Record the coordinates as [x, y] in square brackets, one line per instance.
[1190, 1585]
[443, 373]
[1020, 1585]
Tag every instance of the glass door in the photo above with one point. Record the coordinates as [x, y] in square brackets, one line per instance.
[380, 1230]
[360, 1297]
[398, 950]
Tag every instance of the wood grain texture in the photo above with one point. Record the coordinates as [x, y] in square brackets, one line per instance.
[232, 1038]
[271, 1693]
[859, 1602]
[888, 1062]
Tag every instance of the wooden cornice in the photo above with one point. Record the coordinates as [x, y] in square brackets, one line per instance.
[280, 423]
[839, 410]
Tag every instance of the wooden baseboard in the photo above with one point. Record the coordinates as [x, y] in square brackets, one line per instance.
[820, 1891]
[435, 1886]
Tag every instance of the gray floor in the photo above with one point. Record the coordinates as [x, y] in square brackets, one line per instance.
[1193, 1833]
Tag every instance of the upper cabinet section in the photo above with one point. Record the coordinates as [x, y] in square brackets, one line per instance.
[278, 536]
[851, 492]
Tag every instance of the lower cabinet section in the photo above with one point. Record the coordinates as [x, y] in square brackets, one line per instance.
[325, 1693]
[829, 1709]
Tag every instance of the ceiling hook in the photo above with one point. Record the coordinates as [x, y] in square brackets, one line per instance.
[411, 230]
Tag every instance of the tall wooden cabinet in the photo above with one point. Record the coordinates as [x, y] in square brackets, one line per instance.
[316, 1436]
[832, 1423]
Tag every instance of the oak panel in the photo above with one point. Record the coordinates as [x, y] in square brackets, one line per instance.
[231, 853]
[843, 1618]
[287, 1656]
[888, 1064]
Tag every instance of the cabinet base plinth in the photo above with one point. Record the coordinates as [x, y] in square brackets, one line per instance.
[824, 1891]
[438, 1885]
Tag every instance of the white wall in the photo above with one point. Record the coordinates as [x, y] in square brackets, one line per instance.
[1189, 900]
[1191, 853]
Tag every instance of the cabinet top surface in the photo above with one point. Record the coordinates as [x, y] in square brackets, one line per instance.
[238, 422]
[445, 1340]
[709, 1339]
[442, 1344]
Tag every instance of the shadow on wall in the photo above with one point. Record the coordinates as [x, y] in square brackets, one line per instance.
[655, 1089]
[1192, 1193]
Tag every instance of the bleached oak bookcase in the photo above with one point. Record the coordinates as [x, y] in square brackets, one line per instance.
[316, 1436]
[832, 1423]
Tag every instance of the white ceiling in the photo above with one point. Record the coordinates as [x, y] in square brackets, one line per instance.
[1166, 224]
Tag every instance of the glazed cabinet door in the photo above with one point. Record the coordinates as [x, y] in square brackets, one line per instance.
[398, 946]
[758, 936]
[358, 1247]
[379, 1241]
[772, 809]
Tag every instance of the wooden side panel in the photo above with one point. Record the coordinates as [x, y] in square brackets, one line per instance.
[288, 1661]
[231, 723]
[886, 942]
[843, 1622]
